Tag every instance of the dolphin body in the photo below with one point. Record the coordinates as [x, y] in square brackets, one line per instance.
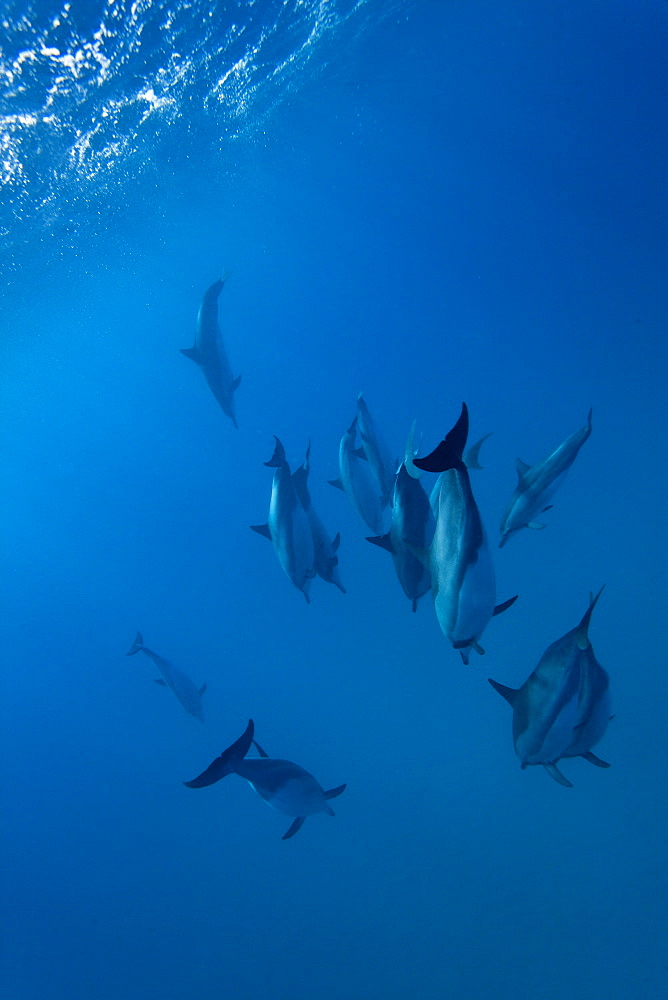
[285, 786]
[377, 455]
[462, 574]
[359, 483]
[412, 528]
[563, 708]
[537, 484]
[210, 354]
[326, 560]
[183, 689]
[288, 527]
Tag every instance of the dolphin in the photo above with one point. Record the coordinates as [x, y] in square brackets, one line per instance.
[377, 455]
[359, 483]
[209, 351]
[326, 560]
[462, 575]
[537, 484]
[412, 527]
[285, 786]
[563, 708]
[178, 683]
[288, 527]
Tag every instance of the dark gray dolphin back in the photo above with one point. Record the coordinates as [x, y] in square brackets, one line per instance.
[225, 764]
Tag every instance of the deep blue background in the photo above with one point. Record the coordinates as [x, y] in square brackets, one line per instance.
[467, 201]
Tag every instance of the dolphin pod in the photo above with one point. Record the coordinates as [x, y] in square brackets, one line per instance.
[210, 354]
[285, 786]
[172, 677]
[537, 484]
[563, 708]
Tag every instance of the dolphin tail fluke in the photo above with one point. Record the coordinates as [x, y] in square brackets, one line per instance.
[136, 646]
[192, 353]
[510, 694]
[555, 773]
[226, 763]
[583, 627]
[448, 454]
[500, 608]
[295, 828]
[472, 456]
[332, 793]
[278, 458]
[593, 759]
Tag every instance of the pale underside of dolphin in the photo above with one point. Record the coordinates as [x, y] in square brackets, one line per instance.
[181, 686]
[563, 708]
[210, 354]
[462, 573]
[288, 527]
[285, 786]
[537, 484]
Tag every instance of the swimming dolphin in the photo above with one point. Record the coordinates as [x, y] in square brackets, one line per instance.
[284, 785]
[209, 351]
[178, 683]
[288, 527]
[358, 482]
[563, 708]
[377, 455]
[325, 559]
[462, 575]
[537, 484]
[412, 527]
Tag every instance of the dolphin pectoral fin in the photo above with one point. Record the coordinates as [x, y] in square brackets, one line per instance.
[295, 828]
[383, 542]
[262, 529]
[332, 793]
[472, 456]
[478, 648]
[522, 469]
[593, 759]
[192, 353]
[465, 655]
[159, 680]
[336, 541]
[336, 482]
[549, 507]
[236, 383]
[225, 764]
[202, 690]
[504, 607]
[536, 525]
[555, 773]
[136, 646]
[259, 749]
[360, 453]
[510, 694]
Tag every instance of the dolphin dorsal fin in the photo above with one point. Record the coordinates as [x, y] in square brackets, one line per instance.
[510, 694]
[583, 627]
[522, 469]
[192, 353]
[472, 456]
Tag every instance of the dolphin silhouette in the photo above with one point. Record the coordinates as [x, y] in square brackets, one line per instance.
[359, 483]
[209, 351]
[326, 560]
[377, 455]
[178, 683]
[462, 574]
[288, 527]
[537, 484]
[563, 708]
[285, 786]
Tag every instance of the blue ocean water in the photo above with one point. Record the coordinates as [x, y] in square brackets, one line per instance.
[427, 202]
